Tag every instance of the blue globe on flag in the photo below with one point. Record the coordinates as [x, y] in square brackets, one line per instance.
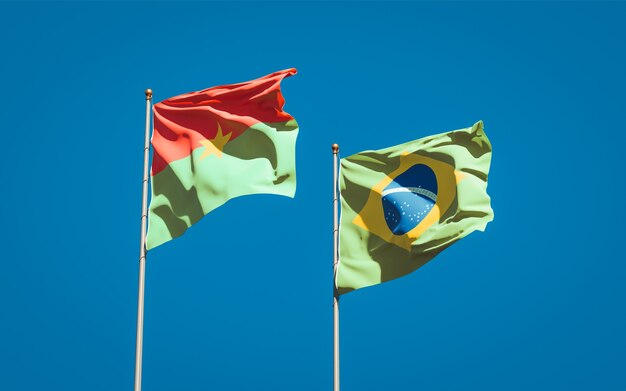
[409, 198]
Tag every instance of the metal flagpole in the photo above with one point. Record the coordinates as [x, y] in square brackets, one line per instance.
[142, 248]
[335, 261]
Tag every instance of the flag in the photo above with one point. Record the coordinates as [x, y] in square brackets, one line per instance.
[403, 205]
[217, 144]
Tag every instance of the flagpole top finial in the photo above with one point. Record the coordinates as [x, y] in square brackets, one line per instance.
[148, 94]
[335, 148]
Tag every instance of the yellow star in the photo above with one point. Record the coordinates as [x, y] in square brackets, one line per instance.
[216, 145]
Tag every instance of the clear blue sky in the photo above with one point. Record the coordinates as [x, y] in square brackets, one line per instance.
[243, 300]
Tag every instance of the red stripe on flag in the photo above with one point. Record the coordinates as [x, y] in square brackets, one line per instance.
[181, 122]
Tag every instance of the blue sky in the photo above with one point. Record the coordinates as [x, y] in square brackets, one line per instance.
[243, 301]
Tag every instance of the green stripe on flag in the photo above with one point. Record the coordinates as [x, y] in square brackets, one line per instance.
[261, 160]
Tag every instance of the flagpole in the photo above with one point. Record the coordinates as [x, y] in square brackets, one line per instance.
[142, 247]
[335, 262]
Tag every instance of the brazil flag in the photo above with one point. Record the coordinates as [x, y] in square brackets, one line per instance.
[403, 205]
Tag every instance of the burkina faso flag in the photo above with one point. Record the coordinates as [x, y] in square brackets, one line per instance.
[217, 144]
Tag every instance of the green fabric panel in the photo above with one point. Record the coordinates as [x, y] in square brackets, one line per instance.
[366, 258]
[261, 160]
